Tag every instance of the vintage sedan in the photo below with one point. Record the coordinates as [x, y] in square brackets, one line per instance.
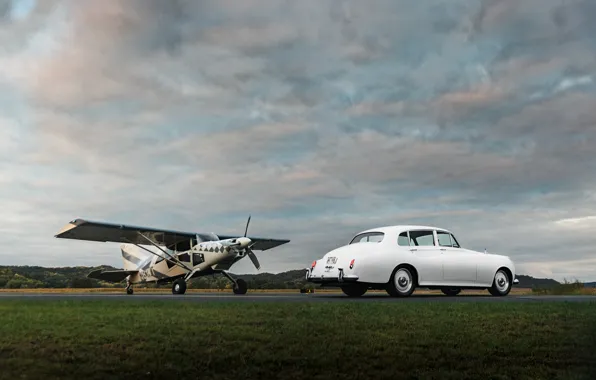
[400, 258]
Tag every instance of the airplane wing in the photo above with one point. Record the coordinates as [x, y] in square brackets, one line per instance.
[261, 244]
[111, 275]
[82, 229]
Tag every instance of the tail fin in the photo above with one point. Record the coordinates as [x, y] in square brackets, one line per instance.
[133, 259]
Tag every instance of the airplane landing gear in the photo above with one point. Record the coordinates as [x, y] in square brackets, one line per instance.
[240, 286]
[179, 286]
[129, 288]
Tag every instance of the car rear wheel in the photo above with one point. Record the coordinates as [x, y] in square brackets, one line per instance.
[501, 284]
[354, 290]
[451, 291]
[402, 283]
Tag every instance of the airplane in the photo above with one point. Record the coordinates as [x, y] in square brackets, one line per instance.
[183, 255]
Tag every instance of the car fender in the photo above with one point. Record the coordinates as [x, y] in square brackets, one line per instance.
[376, 264]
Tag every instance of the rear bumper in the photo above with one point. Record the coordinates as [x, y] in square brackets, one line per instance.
[341, 278]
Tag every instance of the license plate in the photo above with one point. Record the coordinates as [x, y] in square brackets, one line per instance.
[331, 260]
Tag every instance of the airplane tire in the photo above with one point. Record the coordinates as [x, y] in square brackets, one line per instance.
[240, 287]
[179, 287]
[129, 290]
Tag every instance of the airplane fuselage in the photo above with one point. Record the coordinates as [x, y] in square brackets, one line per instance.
[202, 259]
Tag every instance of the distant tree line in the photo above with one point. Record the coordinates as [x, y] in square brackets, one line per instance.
[18, 277]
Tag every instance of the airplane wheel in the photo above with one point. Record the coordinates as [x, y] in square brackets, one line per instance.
[451, 291]
[240, 287]
[501, 284]
[179, 287]
[355, 290]
[129, 290]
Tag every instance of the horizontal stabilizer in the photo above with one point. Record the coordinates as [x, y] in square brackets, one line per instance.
[111, 275]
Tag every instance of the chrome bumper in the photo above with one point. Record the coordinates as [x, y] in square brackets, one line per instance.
[331, 279]
[516, 281]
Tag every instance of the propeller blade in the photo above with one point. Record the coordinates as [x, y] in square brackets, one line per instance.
[253, 258]
[246, 230]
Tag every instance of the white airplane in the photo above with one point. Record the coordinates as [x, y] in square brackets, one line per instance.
[183, 255]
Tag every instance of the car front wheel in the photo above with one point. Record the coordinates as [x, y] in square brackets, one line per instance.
[401, 284]
[501, 284]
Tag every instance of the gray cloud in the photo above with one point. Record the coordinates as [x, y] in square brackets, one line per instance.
[319, 118]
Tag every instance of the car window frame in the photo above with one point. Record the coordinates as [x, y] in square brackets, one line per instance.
[423, 230]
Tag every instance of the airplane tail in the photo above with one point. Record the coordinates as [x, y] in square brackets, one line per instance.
[133, 259]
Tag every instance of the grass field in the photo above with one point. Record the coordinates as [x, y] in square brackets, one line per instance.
[150, 340]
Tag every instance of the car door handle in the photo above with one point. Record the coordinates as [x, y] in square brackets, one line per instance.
[413, 249]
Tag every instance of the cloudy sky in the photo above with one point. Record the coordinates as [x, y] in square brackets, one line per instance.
[319, 118]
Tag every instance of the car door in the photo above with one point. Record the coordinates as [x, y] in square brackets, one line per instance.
[427, 256]
[459, 265]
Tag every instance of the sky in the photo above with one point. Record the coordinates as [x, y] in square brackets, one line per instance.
[318, 118]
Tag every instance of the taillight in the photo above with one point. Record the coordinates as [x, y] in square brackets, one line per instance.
[352, 263]
[312, 266]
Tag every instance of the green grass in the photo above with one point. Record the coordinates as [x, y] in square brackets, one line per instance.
[566, 288]
[149, 340]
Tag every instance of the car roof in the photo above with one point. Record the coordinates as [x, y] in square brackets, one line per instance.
[402, 227]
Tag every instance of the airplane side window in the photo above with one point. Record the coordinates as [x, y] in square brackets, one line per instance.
[197, 258]
[402, 239]
[184, 257]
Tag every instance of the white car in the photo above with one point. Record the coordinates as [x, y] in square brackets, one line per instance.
[400, 258]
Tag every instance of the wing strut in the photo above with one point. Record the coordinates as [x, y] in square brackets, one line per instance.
[175, 260]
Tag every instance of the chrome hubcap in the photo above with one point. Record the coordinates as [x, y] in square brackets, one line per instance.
[501, 281]
[177, 287]
[403, 280]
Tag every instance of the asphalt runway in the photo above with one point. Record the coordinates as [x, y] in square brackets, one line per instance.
[285, 297]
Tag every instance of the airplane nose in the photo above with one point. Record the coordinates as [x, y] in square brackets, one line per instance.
[243, 242]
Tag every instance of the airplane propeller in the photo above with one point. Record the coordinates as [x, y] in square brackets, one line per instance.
[249, 251]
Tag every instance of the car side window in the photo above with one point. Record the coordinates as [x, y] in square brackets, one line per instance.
[422, 238]
[370, 237]
[444, 239]
[402, 239]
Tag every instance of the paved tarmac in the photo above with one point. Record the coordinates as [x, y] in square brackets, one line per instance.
[287, 297]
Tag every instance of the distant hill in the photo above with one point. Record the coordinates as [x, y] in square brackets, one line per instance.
[15, 277]
[531, 282]
[76, 277]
